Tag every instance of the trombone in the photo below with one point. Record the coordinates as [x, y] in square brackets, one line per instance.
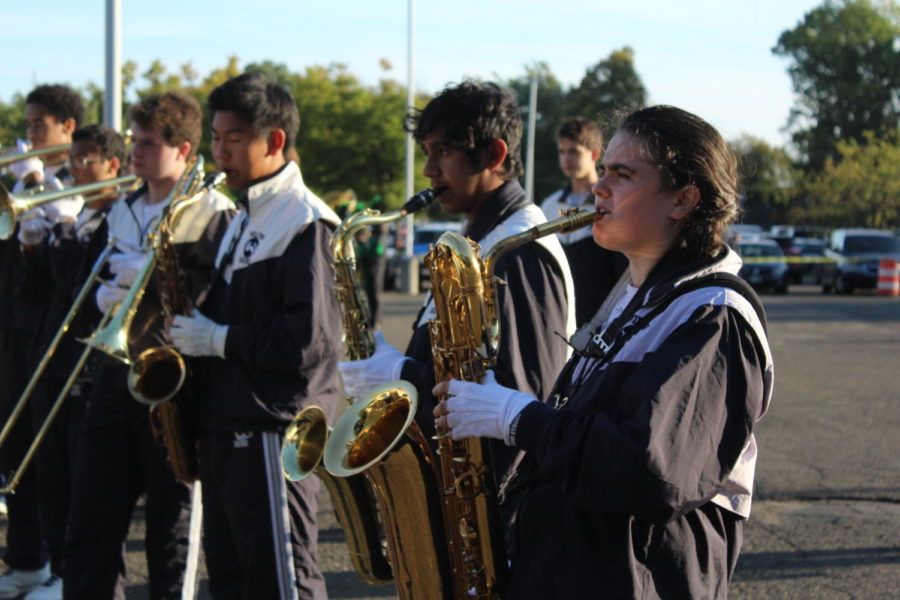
[13, 205]
[92, 278]
[14, 157]
[157, 373]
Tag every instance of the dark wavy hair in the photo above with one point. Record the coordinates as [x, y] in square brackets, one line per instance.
[470, 116]
[108, 141]
[261, 102]
[59, 100]
[689, 151]
[174, 114]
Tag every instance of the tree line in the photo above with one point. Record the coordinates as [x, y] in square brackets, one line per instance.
[841, 168]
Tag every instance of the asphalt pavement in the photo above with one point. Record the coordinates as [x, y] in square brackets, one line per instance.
[826, 514]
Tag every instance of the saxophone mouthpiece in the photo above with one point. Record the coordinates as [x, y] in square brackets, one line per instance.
[421, 200]
[214, 180]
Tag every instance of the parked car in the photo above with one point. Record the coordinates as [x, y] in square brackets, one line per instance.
[804, 257]
[855, 254]
[764, 265]
[804, 231]
[741, 231]
[424, 235]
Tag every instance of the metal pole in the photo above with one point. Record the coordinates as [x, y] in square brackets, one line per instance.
[112, 97]
[529, 155]
[411, 270]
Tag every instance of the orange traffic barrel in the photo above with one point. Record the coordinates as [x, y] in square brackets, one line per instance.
[888, 277]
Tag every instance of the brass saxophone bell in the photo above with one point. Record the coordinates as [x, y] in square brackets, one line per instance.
[304, 443]
[370, 428]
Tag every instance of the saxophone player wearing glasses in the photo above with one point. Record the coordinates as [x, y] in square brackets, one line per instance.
[118, 460]
[638, 469]
[269, 334]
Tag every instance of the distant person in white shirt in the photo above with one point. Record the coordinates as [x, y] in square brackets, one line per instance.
[595, 270]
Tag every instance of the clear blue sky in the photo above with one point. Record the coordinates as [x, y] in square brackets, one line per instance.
[712, 57]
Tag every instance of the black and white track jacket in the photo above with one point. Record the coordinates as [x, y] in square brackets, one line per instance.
[276, 295]
[636, 486]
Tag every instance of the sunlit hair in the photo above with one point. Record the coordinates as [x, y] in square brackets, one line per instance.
[689, 151]
[470, 116]
[58, 100]
[108, 141]
[175, 115]
[261, 102]
[582, 131]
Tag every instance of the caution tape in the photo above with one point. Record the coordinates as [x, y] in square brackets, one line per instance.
[804, 259]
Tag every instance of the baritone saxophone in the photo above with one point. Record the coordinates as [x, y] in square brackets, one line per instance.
[304, 442]
[440, 509]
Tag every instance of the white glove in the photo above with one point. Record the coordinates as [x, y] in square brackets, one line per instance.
[64, 209]
[34, 231]
[384, 365]
[29, 165]
[482, 410]
[198, 336]
[108, 296]
[125, 266]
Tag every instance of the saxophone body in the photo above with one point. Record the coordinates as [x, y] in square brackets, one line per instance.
[354, 497]
[465, 335]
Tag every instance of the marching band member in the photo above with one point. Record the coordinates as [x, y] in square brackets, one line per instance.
[52, 114]
[595, 270]
[117, 459]
[53, 273]
[471, 135]
[270, 332]
[638, 470]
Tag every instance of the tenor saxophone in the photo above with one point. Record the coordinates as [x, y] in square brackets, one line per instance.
[304, 442]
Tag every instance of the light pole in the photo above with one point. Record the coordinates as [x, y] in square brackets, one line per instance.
[411, 267]
[112, 96]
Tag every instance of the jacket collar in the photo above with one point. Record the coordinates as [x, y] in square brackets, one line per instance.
[263, 187]
[506, 199]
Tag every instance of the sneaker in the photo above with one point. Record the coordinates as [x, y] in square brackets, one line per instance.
[14, 582]
[49, 590]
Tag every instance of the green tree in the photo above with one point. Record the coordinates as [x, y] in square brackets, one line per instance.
[845, 69]
[609, 88]
[768, 181]
[859, 188]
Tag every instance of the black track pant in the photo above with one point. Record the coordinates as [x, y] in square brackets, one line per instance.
[259, 529]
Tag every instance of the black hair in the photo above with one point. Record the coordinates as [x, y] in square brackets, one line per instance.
[108, 141]
[470, 116]
[261, 102]
[689, 151]
[582, 131]
[58, 100]
[175, 114]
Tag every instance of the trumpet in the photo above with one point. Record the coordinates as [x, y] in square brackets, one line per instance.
[92, 278]
[12, 206]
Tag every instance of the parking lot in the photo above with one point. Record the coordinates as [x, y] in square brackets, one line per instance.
[826, 514]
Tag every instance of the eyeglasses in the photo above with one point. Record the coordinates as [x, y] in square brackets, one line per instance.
[80, 163]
